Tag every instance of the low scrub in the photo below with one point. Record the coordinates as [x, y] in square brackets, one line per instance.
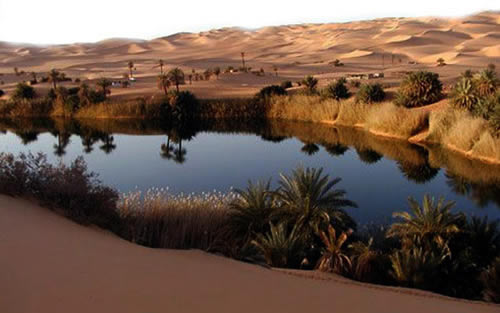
[419, 89]
[369, 93]
[302, 107]
[390, 119]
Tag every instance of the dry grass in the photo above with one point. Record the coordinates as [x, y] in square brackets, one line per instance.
[160, 219]
[301, 107]
[352, 113]
[396, 121]
[136, 108]
[487, 146]
[464, 132]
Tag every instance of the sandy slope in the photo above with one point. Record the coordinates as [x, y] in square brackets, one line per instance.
[388, 44]
[50, 264]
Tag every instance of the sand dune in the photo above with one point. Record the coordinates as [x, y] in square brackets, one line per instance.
[50, 264]
[298, 50]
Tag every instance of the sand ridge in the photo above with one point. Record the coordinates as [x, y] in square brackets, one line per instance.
[51, 264]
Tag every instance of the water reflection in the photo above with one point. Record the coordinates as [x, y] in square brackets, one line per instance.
[477, 181]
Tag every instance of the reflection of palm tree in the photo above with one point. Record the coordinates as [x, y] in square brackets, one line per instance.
[62, 143]
[180, 154]
[336, 150]
[458, 184]
[166, 150]
[28, 137]
[310, 148]
[88, 141]
[368, 156]
[418, 173]
[108, 145]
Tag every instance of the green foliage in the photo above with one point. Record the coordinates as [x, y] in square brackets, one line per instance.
[104, 84]
[337, 90]
[280, 246]
[333, 258]
[464, 94]
[286, 84]
[491, 282]
[23, 92]
[250, 212]
[183, 105]
[176, 76]
[486, 82]
[369, 93]
[307, 199]
[419, 89]
[267, 92]
[310, 82]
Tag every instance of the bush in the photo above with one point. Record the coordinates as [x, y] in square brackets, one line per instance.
[419, 89]
[1, 93]
[491, 281]
[369, 93]
[183, 105]
[70, 190]
[23, 92]
[267, 92]
[310, 82]
[286, 84]
[464, 94]
[337, 90]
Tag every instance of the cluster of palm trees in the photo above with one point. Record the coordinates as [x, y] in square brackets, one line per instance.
[302, 224]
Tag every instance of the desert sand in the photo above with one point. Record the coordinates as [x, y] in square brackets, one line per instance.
[390, 45]
[50, 264]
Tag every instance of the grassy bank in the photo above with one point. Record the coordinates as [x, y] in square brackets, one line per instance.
[304, 224]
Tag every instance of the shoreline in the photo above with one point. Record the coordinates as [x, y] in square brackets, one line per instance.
[116, 275]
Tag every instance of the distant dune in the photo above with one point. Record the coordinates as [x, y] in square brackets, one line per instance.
[383, 44]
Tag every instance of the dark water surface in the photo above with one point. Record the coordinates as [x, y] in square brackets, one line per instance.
[379, 174]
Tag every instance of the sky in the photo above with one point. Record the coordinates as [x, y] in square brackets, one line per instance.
[68, 21]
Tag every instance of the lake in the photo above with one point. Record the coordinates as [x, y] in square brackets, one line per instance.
[378, 173]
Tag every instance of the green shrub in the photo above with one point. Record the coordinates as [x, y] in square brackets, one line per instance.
[310, 82]
[418, 89]
[369, 93]
[266, 93]
[464, 94]
[495, 120]
[286, 84]
[337, 90]
[183, 105]
[486, 82]
[23, 92]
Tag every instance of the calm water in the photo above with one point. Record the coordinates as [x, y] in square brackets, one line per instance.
[378, 174]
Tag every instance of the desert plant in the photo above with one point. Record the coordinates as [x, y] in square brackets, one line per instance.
[54, 76]
[310, 82]
[286, 84]
[250, 212]
[419, 88]
[365, 261]
[269, 91]
[176, 76]
[369, 93]
[464, 94]
[281, 247]
[431, 222]
[184, 105]
[440, 62]
[163, 83]
[333, 258]
[486, 82]
[216, 71]
[130, 65]
[416, 267]
[104, 84]
[308, 201]
[337, 90]
[161, 64]
[23, 92]
[491, 282]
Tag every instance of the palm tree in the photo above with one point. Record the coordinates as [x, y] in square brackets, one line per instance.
[176, 76]
[364, 259]
[163, 83]
[54, 76]
[104, 84]
[275, 69]
[160, 63]
[130, 65]
[332, 258]
[307, 199]
[243, 61]
[433, 221]
[62, 142]
[486, 82]
[441, 62]
[310, 82]
[108, 143]
[84, 94]
[491, 281]
[216, 71]
[180, 155]
[166, 150]
[250, 212]
[280, 247]
[464, 94]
